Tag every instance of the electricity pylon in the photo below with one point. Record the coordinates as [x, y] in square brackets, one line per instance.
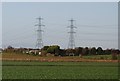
[71, 44]
[39, 43]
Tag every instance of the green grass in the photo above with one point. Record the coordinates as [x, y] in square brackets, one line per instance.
[59, 70]
[98, 57]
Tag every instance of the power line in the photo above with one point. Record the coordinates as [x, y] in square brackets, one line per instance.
[39, 43]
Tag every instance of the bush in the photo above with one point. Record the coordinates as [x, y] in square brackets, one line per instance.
[101, 58]
[114, 56]
[43, 53]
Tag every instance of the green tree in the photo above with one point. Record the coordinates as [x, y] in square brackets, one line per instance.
[45, 47]
[85, 51]
[93, 51]
[100, 51]
[70, 52]
[53, 49]
[78, 51]
[10, 47]
[107, 51]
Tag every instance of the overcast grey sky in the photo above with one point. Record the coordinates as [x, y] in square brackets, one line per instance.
[0, 25]
[96, 23]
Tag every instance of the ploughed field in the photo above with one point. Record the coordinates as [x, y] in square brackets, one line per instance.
[23, 66]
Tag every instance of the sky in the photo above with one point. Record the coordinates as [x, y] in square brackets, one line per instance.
[59, 0]
[0, 24]
[96, 22]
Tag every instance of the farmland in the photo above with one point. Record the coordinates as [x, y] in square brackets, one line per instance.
[26, 57]
[23, 66]
[59, 70]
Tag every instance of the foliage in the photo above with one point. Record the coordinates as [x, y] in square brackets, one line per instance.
[53, 49]
[93, 51]
[45, 47]
[107, 51]
[70, 52]
[43, 53]
[85, 51]
[10, 47]
[78, 51]
[99, 51]
[114, 56]
[98, 57]
[62, 52]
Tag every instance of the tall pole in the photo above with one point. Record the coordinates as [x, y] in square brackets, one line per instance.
[71, 44]
[39, 43]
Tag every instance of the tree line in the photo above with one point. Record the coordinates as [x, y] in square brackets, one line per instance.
[57, 51]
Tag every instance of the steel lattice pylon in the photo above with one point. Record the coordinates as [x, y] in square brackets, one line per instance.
[71, 44]
[39, 43]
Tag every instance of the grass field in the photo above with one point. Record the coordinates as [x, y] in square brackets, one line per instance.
[26, 57]
[23, 66]
[59, 70]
